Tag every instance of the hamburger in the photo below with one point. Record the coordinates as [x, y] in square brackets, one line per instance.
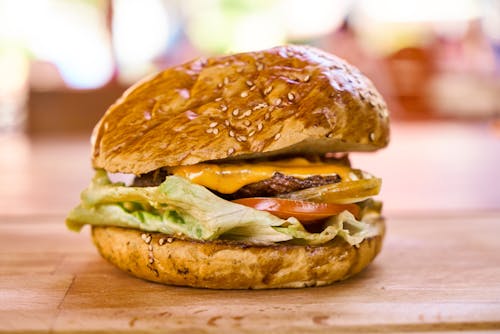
[232, 172]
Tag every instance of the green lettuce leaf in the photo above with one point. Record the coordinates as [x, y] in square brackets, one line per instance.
[176, 206]
[343, 225]
[179, 206]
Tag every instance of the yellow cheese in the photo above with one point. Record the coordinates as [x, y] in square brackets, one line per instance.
[228, 178]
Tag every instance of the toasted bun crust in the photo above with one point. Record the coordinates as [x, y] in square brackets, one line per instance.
[289, 99]
[232, 265]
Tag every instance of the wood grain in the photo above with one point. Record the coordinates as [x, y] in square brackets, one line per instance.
[434, 274]
[439, 269]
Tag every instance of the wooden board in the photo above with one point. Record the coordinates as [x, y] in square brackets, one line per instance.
[434, 274]
[439, 269]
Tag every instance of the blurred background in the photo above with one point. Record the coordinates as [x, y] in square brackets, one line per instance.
[62, 62]
[437, 62]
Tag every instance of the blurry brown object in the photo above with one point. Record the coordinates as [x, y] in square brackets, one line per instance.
[411, 72]
[67, 111]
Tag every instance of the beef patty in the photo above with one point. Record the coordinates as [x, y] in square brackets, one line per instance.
[151, 179]
[278, 184]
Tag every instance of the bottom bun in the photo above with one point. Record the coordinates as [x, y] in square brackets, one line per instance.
[223, 264]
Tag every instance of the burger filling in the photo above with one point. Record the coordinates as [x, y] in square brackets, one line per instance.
[303, 201]
[275, 185]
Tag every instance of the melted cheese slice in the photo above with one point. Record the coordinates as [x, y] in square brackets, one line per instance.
[228, 178]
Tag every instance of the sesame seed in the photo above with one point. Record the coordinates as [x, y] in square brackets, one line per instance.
[236, 112]
[366, 175]
[223, 107]
[329, 135]
[253, 88]
[146, 238]
[219, 85]
[226, 122]
[231, 133]
[244, 94]
[230, 151]
[259, 127]
[353, 176]
[209, 130]
[268, 90]
[251, 133]
[277, 102]
[372, 136]
[249, 83]
[291, 96]
[151, 260]
[246, 122]
[216, 131]
[247, 113]
[169, 240]
[218, 99]
[259, 66]
[241, 138]
[307, 78]
[267, 116]
[260, 106]
[213, 124]
[150, 247]
[277, 136]
[161, 241]
[226, 80]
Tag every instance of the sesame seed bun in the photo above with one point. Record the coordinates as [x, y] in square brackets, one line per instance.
[289, 99]
[224, 264]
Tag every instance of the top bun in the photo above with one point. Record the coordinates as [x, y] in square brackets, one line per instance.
[285, 100]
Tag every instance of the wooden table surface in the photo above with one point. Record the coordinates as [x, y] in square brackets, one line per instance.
[439, 269]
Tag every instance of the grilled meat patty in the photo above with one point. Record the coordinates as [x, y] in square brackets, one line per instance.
[278, 184]
[151, 179]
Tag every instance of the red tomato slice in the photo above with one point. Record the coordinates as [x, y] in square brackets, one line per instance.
[305, 212]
